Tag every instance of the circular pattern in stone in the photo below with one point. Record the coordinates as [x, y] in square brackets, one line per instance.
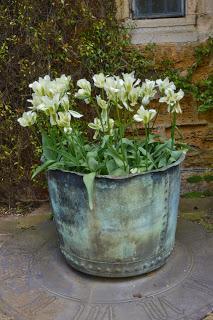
[37, 284]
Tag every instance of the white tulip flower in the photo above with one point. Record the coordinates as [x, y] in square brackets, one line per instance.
[63, 119]
[144, 115]
[83, 95]
[41, 87]
[96, 125]
[75, 114]
[122, 99]
[133, 95]
[146, 100]
[99, 80]
[111, 126]
[113, 86]
[28, 119]
[172, 100]
[148, 91]
[35, 101]
[49, 105]
[65, 102]
[84, 84]
[62, 84]
[101, 103]
[105, 126]
[165, 84]
[130, 81]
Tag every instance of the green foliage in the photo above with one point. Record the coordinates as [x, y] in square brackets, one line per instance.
[109, 157]
[204, 94]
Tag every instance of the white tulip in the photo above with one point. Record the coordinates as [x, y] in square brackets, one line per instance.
[35, 101]
[172, 100]
[105, 126]
[84, 84]
[111, 126]
[113, 86]
[148, 90]
[99, 80]
[83, 94]
[133, 95]
[75, 114]
[122, 99]
[130, 81]
[59, 86]
[41, 86]
[65, 102]
[144, 115]
[165, 84]
[63, 119]
[53, 119]
[146, 100]
[96, 125]
[101, 103]
[28, 119]
[49, 105]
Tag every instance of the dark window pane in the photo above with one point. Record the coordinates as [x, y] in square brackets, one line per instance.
[158, 6]
[173, 5]
[141, 7]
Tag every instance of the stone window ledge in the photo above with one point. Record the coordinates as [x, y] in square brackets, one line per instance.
[165, 34]
[163, 22]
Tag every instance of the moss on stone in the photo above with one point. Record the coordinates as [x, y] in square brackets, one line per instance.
[194, 179]
[208, 178]
[197, 194]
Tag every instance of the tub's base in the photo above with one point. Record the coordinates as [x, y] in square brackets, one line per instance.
[116, 269]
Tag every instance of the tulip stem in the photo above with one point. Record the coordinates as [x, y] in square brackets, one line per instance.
[173, 130]
[147, 141]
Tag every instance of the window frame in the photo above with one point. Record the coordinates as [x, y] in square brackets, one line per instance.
[150, 16]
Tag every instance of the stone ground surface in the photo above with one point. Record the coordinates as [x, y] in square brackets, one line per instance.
[48, 289]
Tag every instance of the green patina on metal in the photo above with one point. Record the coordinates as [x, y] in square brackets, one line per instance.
[131, 228]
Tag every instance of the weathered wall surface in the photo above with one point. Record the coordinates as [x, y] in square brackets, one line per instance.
[196, 127]
[176, 39]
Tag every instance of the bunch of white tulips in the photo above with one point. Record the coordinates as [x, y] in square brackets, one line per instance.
[51, 98]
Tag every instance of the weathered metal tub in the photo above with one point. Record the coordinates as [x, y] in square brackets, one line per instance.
[131, 229]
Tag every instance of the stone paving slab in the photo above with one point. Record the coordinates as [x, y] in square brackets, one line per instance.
[37, 284]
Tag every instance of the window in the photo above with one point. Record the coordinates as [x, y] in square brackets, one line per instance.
[151, 9]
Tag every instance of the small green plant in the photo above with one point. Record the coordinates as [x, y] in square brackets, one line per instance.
[197, 194]
[208, 178]
[194, 179]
